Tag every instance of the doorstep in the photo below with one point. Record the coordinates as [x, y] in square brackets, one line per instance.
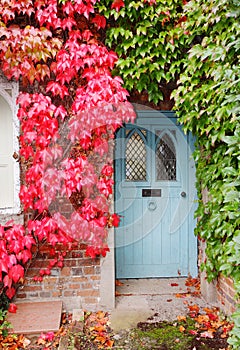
[36, 317]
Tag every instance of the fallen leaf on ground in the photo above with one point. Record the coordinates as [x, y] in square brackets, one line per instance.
[193, 310]
[182, 329]
[101, 314]
[212, 317]
[96, 329]
[182, 295]
[109, 343]
[192, 282]
[181, 318]
[207, 335]
[119, 283]
[203, 320]
[26, 342]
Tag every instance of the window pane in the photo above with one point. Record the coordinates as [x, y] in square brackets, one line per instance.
[165, 159]
[135, 159]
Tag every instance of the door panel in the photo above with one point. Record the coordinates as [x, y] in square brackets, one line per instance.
[152, 182]
[6, 158]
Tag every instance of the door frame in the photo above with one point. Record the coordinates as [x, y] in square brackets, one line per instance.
[107, 282]
[9, 92]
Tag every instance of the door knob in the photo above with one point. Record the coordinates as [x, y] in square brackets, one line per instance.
[183, 194]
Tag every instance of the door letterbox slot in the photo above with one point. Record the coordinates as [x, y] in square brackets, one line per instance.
[149, 192]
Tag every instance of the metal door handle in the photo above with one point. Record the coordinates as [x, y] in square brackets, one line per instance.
[183, 194]
[152, 205]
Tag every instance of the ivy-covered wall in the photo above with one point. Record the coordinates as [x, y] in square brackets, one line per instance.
[185, 55]
[207, 101]
[193, 46]
[145, 36]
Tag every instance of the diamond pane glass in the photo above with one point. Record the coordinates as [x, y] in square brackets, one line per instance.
[165, 159]
[135, 159]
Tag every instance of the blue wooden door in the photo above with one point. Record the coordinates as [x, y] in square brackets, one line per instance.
[155, 197]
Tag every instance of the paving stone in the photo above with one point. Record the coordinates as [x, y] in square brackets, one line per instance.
[36, 317]
[160, 299]
[78, 315]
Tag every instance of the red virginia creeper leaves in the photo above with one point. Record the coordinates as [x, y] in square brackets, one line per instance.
[57, 89]
[10, 292]
[100, 21]
[94, 251]
[3, 266]
[117, 4]
[7, 282]
[12, 308]
[61, 57]
[16, 272]
[115, 219]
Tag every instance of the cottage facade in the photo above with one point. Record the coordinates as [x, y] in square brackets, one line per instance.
[156, 234]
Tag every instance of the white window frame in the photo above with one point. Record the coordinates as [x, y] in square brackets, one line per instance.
[9, 91]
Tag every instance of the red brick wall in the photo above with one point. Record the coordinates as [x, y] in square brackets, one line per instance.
[77, 284]
[220, 291]
[225, 294]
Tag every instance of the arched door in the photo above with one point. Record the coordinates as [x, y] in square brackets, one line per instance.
[155, 197]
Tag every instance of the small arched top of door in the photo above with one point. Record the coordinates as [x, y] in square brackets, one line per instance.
[131, 129]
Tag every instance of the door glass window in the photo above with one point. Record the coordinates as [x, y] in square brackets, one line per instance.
[135, 158]
[165, 159]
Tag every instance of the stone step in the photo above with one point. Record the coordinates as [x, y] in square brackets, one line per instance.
[36, 317]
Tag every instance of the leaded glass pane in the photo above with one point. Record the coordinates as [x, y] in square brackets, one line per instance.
[135, 161]
[165, 159]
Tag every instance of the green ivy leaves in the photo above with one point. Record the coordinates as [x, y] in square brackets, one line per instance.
[197, 44]
[207, 101]
[147, 39]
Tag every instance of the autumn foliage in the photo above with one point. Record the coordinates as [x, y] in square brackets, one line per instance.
[69, 108]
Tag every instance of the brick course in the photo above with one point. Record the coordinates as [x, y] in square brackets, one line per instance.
[77, 284]
[225, 294]
[223, 287]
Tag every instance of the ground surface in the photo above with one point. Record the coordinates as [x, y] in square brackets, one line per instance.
[198, 330]
[150, 315]
[166, 336]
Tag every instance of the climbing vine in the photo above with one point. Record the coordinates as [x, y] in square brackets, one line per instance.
[145, 35]
[196, 43]
[207, 102]
[69, 108]
[56, 49]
